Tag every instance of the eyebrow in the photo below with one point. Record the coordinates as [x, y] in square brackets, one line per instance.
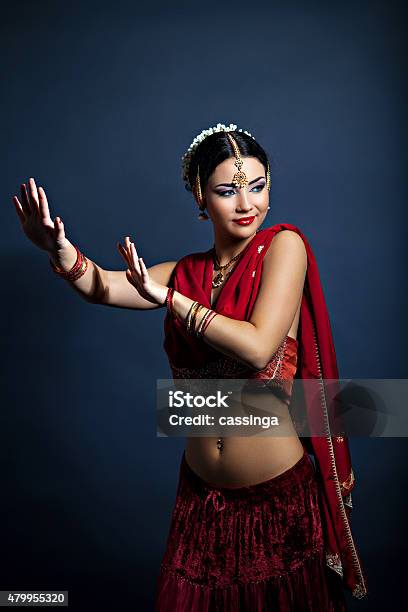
[232, 184]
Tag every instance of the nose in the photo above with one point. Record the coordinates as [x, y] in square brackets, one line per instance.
[243, 202]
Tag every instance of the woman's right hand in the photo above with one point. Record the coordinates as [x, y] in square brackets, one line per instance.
[36, 222]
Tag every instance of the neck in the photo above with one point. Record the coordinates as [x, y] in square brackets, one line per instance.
[227, 247]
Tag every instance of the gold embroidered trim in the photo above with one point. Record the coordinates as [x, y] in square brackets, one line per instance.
[347, 500]
[360, 590]
[164, 568]
[227, 367]
[347, 484]
[333, 561]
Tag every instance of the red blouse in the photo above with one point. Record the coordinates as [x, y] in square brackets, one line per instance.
[278, 373]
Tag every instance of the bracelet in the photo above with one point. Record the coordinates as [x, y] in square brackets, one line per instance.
[169, 301]
[194, 319]
[187, 319]
[191, 316]
[200, 327]
[206, 320]
[78, 269]
[74, 268]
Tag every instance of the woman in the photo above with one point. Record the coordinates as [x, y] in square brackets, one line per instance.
[256, 524]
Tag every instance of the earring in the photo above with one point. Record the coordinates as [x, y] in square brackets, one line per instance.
[269, 207]
[268, 178]
[198, 188]
[203, 215]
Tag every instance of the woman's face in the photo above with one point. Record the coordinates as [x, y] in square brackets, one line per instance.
[226, 204]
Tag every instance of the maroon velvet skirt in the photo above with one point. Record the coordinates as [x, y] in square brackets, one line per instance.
[254, 548]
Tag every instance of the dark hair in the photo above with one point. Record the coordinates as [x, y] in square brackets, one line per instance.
[215, 149]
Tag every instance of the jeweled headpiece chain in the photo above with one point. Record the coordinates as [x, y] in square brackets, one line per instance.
[239, 179]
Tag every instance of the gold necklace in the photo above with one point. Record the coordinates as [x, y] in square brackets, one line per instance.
[219, 279]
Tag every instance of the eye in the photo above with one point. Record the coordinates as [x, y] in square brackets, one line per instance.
[224, 193]
[232, 191]
[260, 187]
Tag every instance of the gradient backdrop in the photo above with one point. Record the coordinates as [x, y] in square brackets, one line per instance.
[99, 102]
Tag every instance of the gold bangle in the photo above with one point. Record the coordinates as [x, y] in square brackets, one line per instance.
[207, 320]
[202, 322]
[192, 316]
[188, 317]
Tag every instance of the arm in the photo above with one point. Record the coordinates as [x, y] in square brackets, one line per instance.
[111, 287]
[254, 342]
[97, 286]
[121, 294]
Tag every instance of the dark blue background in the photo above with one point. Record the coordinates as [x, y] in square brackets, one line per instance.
[99, 102]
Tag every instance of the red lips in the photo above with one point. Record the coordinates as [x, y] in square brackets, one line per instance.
[244, 220]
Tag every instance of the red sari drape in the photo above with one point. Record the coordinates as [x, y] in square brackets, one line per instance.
[192, 277]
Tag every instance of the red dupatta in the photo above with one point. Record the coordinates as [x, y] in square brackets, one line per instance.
[192, 277]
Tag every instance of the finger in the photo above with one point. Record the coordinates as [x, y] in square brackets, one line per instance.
[19, 209]
[135, 258]
[59, 230]
[145, 273]
[25, 202]
[44, 209]
[124, 254]
[126, 257]
[130, 278]
[129, 250]
[33, 196]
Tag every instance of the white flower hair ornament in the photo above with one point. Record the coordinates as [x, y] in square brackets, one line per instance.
[186, 158]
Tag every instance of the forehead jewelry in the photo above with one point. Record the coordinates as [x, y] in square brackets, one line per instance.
[238, 176]
[220, 127]
[186, 158]
[239, 179]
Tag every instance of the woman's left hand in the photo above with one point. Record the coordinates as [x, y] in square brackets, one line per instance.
[138, 276]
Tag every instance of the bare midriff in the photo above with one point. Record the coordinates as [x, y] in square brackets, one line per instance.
[242, 461]
[248, 460]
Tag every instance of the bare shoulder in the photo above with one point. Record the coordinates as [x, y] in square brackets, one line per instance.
[286, 257]
[280, 292]
[284, 243]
